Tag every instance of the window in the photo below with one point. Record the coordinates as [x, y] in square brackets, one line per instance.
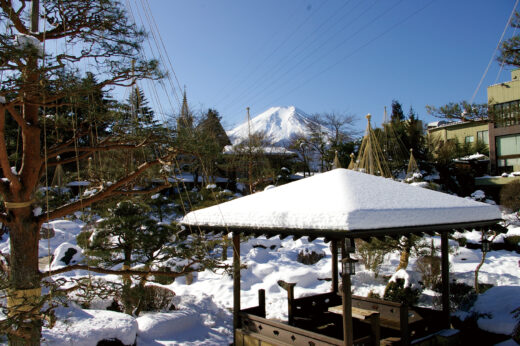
[483, 136]
[506, 114]
[508, 145]
[469, 139]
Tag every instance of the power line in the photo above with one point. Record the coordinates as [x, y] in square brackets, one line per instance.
[393, 27]
[280, 65]
[281, 44]
[327, 53]
[494, 52]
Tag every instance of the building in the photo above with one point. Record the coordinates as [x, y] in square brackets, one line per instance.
[504, 129]
[460, 131]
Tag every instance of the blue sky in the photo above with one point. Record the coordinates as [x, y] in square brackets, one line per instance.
[351, 56]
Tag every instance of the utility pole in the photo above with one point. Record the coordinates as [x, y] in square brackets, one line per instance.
[250, 169]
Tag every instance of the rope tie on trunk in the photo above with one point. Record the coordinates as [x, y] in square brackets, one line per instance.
[17, 205]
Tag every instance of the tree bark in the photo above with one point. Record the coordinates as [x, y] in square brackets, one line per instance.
[24, 278]
[405, 255]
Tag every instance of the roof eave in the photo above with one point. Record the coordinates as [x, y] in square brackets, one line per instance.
[340, 234]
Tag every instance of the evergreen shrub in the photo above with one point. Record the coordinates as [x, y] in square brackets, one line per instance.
[510, 196]
[372, 255]
[396, 292]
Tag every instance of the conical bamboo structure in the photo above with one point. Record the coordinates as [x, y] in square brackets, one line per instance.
[370, 157]
[336, 163]
[412, 166]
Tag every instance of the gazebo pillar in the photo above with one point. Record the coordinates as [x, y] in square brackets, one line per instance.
[236, 284]
[346, 297]
[445, 267]
[334, 251]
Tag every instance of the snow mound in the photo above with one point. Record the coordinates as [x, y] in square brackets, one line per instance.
[410, 278]
[87, 327]
[66, 254]
[161, 325]
[495, 309]
[199, 321]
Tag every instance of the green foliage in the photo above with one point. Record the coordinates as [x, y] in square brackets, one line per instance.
[510, 48]
[510, 196]
[372, 254]
[462, 296]
[132, 236]
[397, 115]
[513, 242]
[463, 111]
[396, 292]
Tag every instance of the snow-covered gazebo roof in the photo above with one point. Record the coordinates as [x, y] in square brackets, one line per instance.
[343, 203]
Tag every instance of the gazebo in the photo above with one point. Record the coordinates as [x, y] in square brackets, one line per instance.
[340, 206]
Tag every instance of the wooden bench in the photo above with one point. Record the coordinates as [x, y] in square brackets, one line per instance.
[395, 316]
[369, 316]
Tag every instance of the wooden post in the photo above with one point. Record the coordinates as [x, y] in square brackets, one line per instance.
[236, 283]
[445, 267]
[348, 331]
[334, 251]
[289, 287]
[261, 302]
[403, 324]
[375, 328]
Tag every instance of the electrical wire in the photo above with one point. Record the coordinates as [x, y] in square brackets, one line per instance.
[494, 53]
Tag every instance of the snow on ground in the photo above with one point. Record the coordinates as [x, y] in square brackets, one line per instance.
[203, 315]
[79, 327]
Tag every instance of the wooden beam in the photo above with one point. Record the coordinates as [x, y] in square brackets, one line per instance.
[445, 267]
[236, 282]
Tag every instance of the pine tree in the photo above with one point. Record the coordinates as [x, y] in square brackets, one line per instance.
[397, 115]
[211, 138]
[510, 49]
[30, 88]
[414, 135]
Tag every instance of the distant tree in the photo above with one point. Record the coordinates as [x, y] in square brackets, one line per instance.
[461, 111]
[341, 126]
[136, 108]
[299, 145]
[510, 49]
[414, 136]
[397, 115]
[211, 139]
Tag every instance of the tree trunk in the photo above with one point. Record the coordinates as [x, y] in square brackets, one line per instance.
[477, 271]
[405, 255]
[25, 292]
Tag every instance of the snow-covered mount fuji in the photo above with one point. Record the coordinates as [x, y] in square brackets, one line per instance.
[280, 124]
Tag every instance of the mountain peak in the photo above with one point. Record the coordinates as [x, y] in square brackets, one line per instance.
[280, 124]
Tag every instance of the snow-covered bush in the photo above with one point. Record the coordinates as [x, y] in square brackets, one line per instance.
[403, 287]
